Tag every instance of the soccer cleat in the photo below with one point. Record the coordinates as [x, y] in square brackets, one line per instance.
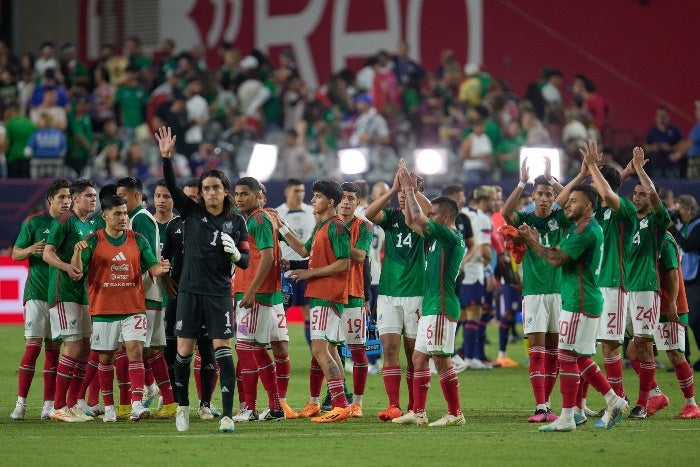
[476, 364]
[560, 424]
[226, 425]
[688, 412]
[592, 413]
[390, 413]
[541, 416]
[150, 395]
[139, 411]
[459, 363]
[64, 415]
[338, 414]
[214, 411]
[312, 409]
[96, 410]
[356, 410]
[638, 413]
[288, 412]
[204, 413]
[110, 414]
[182, 418]
[123, 412]
[412, 418]
[20, 410]
[507, 362]
[79, 413]
[580, 419]
[327, 404]
[46, 410]
[656, 403]
[84, 408]
[450, 420]
[372, 369]
[167, 411]
[246, 415]
[268, 415]
[616, 411]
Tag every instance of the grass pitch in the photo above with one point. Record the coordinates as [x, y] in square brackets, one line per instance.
[496, 404]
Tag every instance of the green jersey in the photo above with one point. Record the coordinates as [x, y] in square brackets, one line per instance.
[66, 231]
[143, 222]
[260, 233]
[540, 277]
[445, 253]
[618, 227]
[35, 228]
[132, 104]
[669, 258]
[579, 278]
[403, 268]
[643, 251]
[97, 222]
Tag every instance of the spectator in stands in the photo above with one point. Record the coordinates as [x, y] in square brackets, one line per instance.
[75, 72]
[164, 60]
[49, 105]
[134, 52]
[197, 112]
[25, 88]
[81, 136]
[49, 81]
[385, 88]
[537, 134]
[694, 146]
[47, 59]
[293, 102]
[18, 130]
[585, 88]
[108, 163]
[370, 128]
[130, 103]
[551, 93]
[431, 115]
[135, 161]
[663, 146]
[101, 99]
[470, 88]
[110, 135]
[365, 76]
[293, 160]
[47, 141]
[405, 69]
[476, 152]
[508, 150]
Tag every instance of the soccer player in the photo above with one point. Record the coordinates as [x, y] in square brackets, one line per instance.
[580, 256]
[67, 298]
[216, 240]
[354, 321]
[29, 246]
[400, 292]
[143, 222]
[328, 250]
[300, 218]
[437, 325]
[541, 288]
[113, 258]
[258, 302]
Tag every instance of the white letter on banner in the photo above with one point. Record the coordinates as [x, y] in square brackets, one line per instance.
[290, 29]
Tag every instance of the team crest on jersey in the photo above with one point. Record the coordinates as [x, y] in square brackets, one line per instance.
[47, 231]
[607, 214]
[644, 223]
[553, 224]
[227, 227]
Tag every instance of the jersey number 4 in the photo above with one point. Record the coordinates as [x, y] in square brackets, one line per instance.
[401, 240]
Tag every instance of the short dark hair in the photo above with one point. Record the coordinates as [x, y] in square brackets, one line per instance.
[612, 176]
[452, 189]
[249, 182]
[293, 182]
[108, 190]
[588, 191]
[55, 186]
[81, 185]
[330, 189]
[263, 189]
[132, 183]
[193, 183]
[351, 187]
[162, 183]
[446, 204]
[364, 189]
[540, 180]
[111, 202]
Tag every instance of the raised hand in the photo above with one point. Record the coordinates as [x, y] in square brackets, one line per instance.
[589, 153]
[547, 168]
[638, 159]
[166, 141]
[524, 171]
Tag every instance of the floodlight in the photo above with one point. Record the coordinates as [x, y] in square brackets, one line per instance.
[535, 161]
[430, 161]
[353, 161]
[262, 162]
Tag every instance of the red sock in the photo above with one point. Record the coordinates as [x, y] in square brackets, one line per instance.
[50, 363]
[198, 375]
[646, 379]
[410, 375]
[121, 363]
[64, 374]
[593, 376]
[537, 374]
[450, 389]
[581, 394]
[551, 370]
[137, 376]
[421, 384]
[90, 374]
[239, 383]
[392, 382]
[76, 383]
[360, 369]
[335, 386]
[613, 370]
[266, 373]
[162, 377]
[282, 369]
[315, 378]
[635, 365]
[105, 377]
[148, 378]
[568, 378]
[249, 372]
[26, 368]
[684, 375]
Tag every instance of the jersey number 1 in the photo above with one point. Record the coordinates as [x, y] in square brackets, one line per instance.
[213, 240]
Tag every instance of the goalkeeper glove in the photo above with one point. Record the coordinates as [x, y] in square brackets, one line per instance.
[230, 247]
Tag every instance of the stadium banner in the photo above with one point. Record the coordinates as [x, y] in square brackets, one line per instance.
[13, 276]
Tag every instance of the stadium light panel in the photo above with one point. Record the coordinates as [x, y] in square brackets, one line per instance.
[353, 161]
[535, 161]
[430, 161]
[262, 162]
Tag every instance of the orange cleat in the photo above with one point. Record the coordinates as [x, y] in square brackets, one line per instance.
[390, 413]
[688, 412]
[356, 410]
[338, 414]
[289, 414]
[311, 409]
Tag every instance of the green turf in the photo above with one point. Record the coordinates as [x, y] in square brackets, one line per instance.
[496, 404]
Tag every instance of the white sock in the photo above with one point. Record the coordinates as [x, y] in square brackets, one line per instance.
[357, 399]
[501, 354]
[567, 413]
[583, 402]
[22, 400]
[656, 391]
[283, 399]
[541, 407]
[690, 400]
[313, 400]
[610, 397]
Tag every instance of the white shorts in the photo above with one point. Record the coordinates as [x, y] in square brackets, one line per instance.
[279, 331]
[354, 325]
[325, 324]
[105, 334]
[70, 321]
[37, 322]
[541, 313]
[155, 336]
[611, 326]
[398, 315]
[643, 313]
[255, 324]
[436, 335]
[577, 333]
[670, 336]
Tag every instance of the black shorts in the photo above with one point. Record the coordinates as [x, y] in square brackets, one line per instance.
[196, 310]
[170, 313]
[299, 299]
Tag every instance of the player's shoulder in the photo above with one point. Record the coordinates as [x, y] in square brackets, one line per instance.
[338, 225]
[587, 224]
[37, 217]
[66, 217]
